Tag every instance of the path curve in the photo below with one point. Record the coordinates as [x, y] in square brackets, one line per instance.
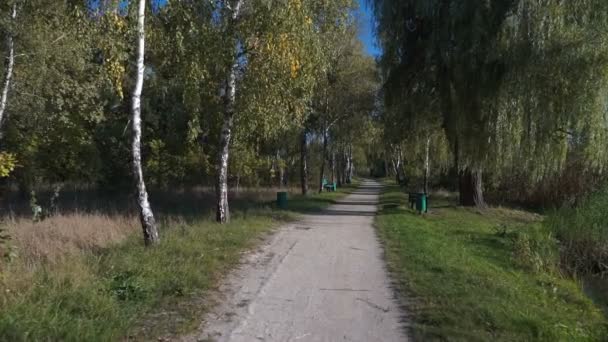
[319, 279]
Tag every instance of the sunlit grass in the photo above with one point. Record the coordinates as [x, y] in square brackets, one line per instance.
[88, 277]
[462, 281]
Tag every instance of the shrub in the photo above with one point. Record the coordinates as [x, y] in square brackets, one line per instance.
[583, 235]
[535, 248]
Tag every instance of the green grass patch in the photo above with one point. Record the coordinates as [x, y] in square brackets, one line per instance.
[471, 276]
[129, 291]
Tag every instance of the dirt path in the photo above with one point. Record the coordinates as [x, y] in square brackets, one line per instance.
[318, 279]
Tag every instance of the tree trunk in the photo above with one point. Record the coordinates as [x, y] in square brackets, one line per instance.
[223, 210]
[221, 186]
[285, 178]
[455, 172]
[279, 169]
[238, 183]
[394, 165]
[398, 167]
[427, 165]
[402, 166]
[145, 210]
[344, 168]
[323, 157]
[349, 173]
[8, 75]
[471, 188]
[332, 165]
[304, 163]
[386, 168]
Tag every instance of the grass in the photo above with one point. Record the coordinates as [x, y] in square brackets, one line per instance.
[87, 276]
[463, 280]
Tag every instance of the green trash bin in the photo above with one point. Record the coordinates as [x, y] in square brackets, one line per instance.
[282, 200]
[421, 206]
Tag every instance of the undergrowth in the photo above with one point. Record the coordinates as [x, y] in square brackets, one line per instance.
[583, 235]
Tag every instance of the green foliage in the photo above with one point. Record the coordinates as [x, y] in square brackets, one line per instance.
[478, 72]
[463, 283]
[163, 167]
[68, 109]
[8, 163]
[536, 249]
[583, 234]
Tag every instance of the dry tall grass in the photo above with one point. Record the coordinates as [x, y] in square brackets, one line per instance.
[62, 235]
[88, 221]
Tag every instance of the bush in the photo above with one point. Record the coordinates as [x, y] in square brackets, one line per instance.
[583, 235]
[535, 249]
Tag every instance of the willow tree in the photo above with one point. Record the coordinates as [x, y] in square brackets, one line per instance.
[484, 61]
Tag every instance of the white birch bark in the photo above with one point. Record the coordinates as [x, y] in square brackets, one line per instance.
[351, 169]
[145, 210]
[304, 162]
[8, 76]
[222, 207]
[427, 165]
[323, 158]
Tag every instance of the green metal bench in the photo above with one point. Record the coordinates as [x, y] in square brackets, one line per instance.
[330, 187]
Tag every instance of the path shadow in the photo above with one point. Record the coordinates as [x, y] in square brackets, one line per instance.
[369, 203]
[334, 212]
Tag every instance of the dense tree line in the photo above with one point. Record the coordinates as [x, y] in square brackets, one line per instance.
[182, 93]
[509, 93]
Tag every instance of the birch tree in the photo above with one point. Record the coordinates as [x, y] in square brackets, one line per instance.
[271, 74]
[8, 73]
[304, 162]
[223, 209]
[145, 210]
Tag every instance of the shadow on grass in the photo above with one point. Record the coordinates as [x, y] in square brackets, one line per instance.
[487, 246]
[189, 205]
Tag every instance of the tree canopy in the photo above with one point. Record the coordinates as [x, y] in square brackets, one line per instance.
[516, 86]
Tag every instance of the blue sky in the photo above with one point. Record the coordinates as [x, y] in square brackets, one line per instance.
[366, 31]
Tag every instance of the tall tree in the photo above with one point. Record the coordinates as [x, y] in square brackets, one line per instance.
[223, 210]
[304, 162]
[8, 72]
[145, 210]
[482, 63]
[273, 53]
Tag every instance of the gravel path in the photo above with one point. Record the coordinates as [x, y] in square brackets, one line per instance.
[318, 279]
